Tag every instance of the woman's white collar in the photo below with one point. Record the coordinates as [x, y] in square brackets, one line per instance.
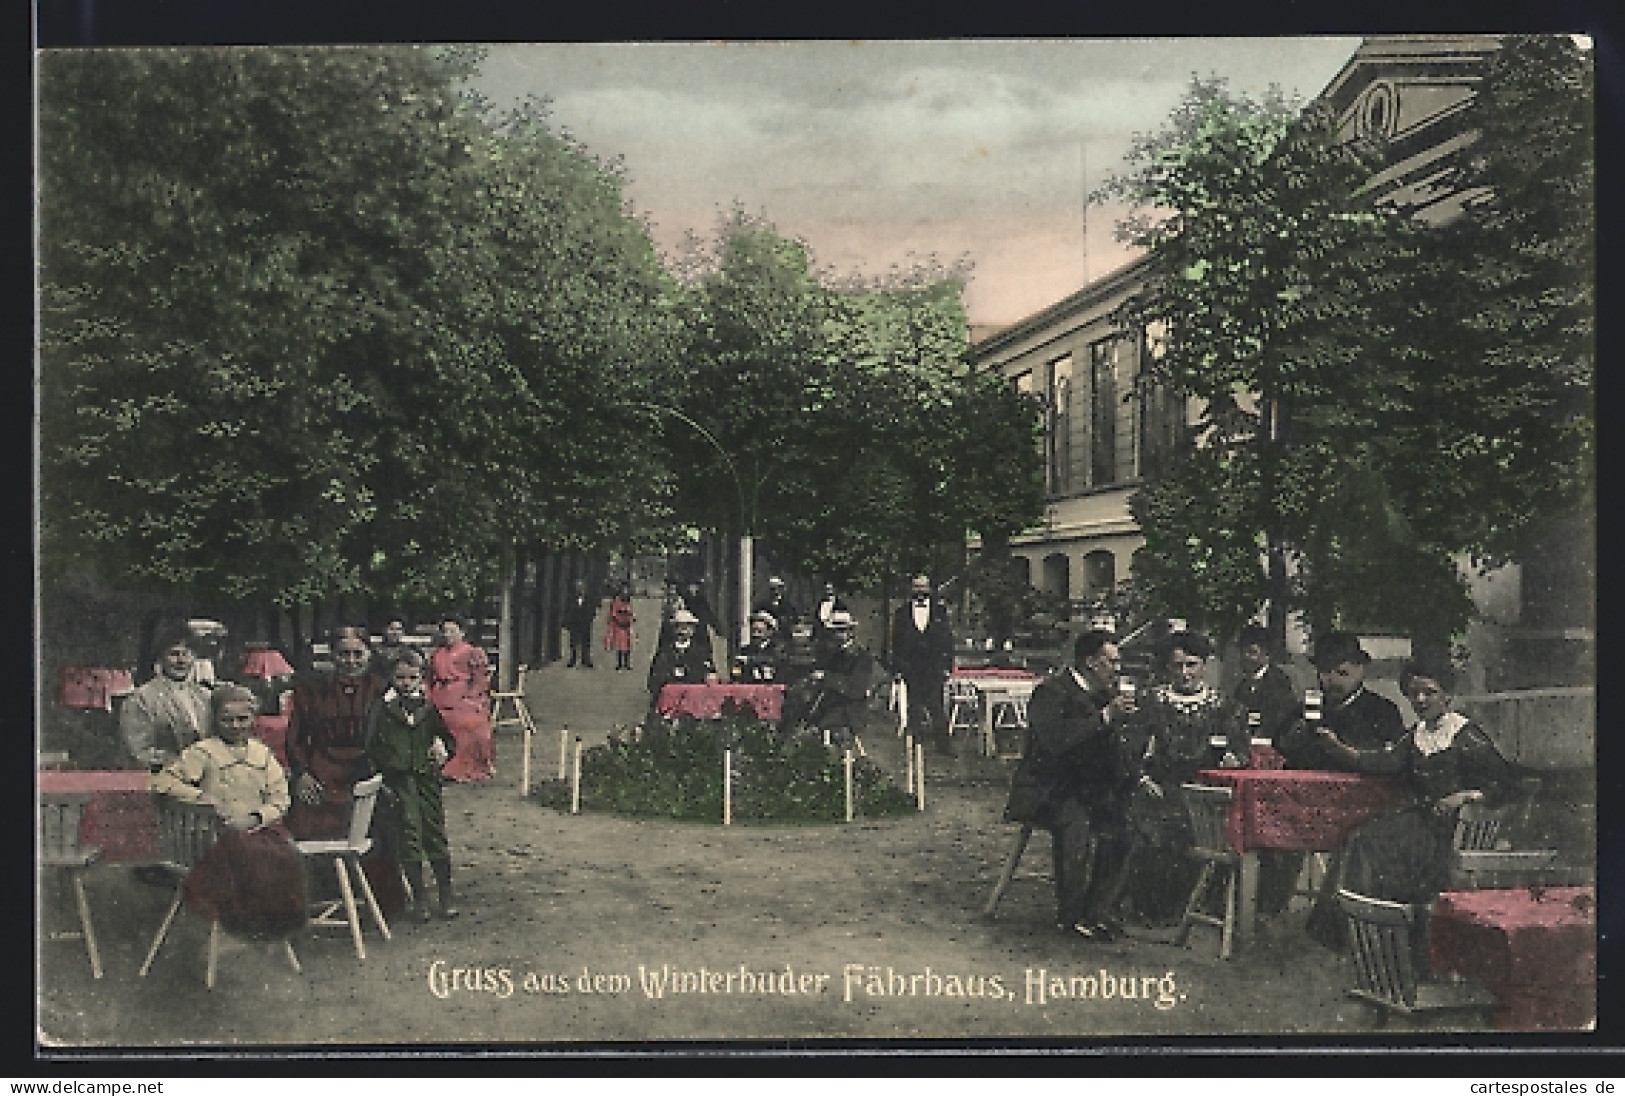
[1431, 740]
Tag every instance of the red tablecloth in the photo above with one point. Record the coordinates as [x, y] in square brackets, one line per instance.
[1538, 957]
[1304, 809]
[92, 686]
[706, 701]
[1012, 672]
[121, 818]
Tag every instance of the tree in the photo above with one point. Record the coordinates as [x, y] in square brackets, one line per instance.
[1383, 396]
[863, 438]
[315, 324]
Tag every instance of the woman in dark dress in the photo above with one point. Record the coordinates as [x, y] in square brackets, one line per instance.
[1448, 761]
[1165, 746]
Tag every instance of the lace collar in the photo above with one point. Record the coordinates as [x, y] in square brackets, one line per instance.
[1186, 703]
[1437, 738]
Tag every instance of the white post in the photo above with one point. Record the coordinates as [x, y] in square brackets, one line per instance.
[908, 764]
[727, 787]
[847, 762]
[747, 552]
[564, 749]
[524, 761]
[575, 781]
[826, 738]
[919, 775]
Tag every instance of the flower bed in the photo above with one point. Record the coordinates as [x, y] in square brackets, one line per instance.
[675, 771]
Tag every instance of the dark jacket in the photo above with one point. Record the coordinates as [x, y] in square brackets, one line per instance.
[579, 612]
[1272, 697]
[757, 664]
[1071, 752]
[399, 734]
[687, 667]
[917, 655]
[848, 675]
[1365, 721]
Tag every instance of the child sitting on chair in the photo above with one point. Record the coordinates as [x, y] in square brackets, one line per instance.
[409, 742]
[252, 880]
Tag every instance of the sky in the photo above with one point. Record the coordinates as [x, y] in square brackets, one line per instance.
[878, 153]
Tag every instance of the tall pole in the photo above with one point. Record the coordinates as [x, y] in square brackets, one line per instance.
[746, 517]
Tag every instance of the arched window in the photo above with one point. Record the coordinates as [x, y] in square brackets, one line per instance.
[1099, 573]
[1057, 575]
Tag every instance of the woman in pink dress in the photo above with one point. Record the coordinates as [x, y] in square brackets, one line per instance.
[618, 628]
[460, 687]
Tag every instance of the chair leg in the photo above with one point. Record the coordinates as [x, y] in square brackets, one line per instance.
[372, 902]
[163, 930]
[349, 907]
[214, 953]
[1011, 862]
[1197, 892]
[293, 960]
[84, 922]
[1227, 931]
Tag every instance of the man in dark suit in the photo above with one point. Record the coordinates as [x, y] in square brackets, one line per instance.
[779, 607]
[922, 653]
[1358, 717]
[1070, 782]
[1265, 689]
[579, 612]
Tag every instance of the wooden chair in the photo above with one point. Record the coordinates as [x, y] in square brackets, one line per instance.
[346, 854]
[1009, 716]
[521, 716]
[1384, 938]
[964, 704]
[1481, 829]
[186, 833]
[60, 814]
[1208, 807]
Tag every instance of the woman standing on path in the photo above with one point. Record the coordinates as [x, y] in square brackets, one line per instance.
[460, 687]
[618, 628]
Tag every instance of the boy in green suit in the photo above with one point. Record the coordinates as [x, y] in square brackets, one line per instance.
[409, 742]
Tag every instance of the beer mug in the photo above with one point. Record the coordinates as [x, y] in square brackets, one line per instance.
[1311, 705]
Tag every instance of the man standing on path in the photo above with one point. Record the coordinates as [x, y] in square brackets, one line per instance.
[579, 612]
[1069, 782]
[922, 654]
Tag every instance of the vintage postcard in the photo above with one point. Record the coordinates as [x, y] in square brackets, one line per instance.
[794, 542]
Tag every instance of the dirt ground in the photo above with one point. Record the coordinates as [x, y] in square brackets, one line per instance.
[570, 922]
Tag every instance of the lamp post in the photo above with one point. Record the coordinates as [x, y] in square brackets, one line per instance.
[747, 541]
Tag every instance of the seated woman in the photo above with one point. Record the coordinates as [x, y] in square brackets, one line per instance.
[1405, 856]
[252, 881]
[1164, 747]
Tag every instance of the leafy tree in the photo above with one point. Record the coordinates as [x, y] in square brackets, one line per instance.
[1381, 396]
[315, 324]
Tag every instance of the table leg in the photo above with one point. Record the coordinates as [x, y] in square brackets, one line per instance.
[1247, 900]
[987, 723]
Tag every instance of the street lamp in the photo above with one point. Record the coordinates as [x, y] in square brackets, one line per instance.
[747, 542]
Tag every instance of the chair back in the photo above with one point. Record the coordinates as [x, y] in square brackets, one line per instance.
[60, 814]
[1477, 827]
[963, 691]
[365, 798]
[186, 832]
[1381, 935]
[1208, 806]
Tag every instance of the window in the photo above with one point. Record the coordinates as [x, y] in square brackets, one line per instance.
[1058, 427]
[1099, 573]
[1102, 414]
[1162, 412]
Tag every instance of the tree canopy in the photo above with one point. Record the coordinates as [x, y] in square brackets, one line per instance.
[315, 323]
[1381, 396]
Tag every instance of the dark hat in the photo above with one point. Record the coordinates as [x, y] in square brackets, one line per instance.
[1336, 648]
